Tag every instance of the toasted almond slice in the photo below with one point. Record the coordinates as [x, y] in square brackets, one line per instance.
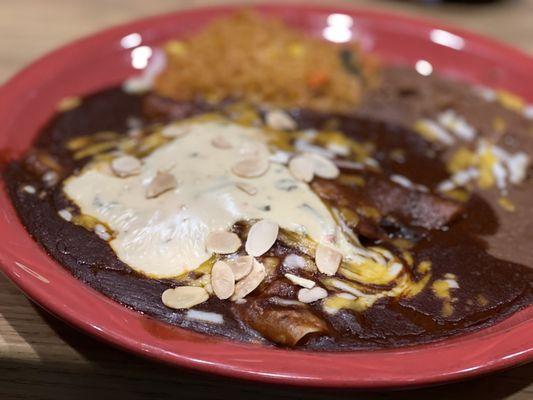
[208, 287]
[29, 189]
[126, 166]
[222, 280]
[250, 282]
[301, 168]
[251, 167]
[280, 120]
[247, 188]
[175, 131]
[241, 266]
[327, 259]
[261, 237]
[65, 214]
[311, 295]
[285, 302]
[162, 182]
[322, 166]
[222, 242]
[184, 297]
[298, 280]
[220, 142]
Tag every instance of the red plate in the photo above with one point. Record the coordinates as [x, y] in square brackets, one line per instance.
[29, 99]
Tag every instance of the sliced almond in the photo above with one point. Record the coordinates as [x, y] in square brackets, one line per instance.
[222, 242]
[250, 282]
[65, 214]
[301, 168]
[247, 188]
[222, 280]
[322, 166]
[251, 167]
[162, 182]
[220, 142]
[184, 297]
[126, 166]
[298, 280]
[261, 237]
[327, 259]
[175, 131]
[311, 295]
[280, 120]
[284, 302]
[29, 189]
[208, 287]
[241, 266]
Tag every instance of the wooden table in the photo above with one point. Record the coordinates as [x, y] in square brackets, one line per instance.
[42, 358]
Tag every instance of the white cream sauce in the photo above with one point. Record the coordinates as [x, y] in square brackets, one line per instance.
[165, 236]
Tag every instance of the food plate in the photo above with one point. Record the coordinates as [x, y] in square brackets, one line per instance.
[107, 58]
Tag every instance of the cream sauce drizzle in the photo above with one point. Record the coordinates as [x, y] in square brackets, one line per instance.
[165, 236]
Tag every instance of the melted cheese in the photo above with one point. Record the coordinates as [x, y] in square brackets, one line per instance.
[165, 236]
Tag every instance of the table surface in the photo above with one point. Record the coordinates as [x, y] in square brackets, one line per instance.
[42, 358]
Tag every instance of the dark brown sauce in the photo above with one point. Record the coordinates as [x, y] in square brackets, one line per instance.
[505, 287]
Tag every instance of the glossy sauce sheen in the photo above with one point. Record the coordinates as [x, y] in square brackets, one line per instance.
[460, 250]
